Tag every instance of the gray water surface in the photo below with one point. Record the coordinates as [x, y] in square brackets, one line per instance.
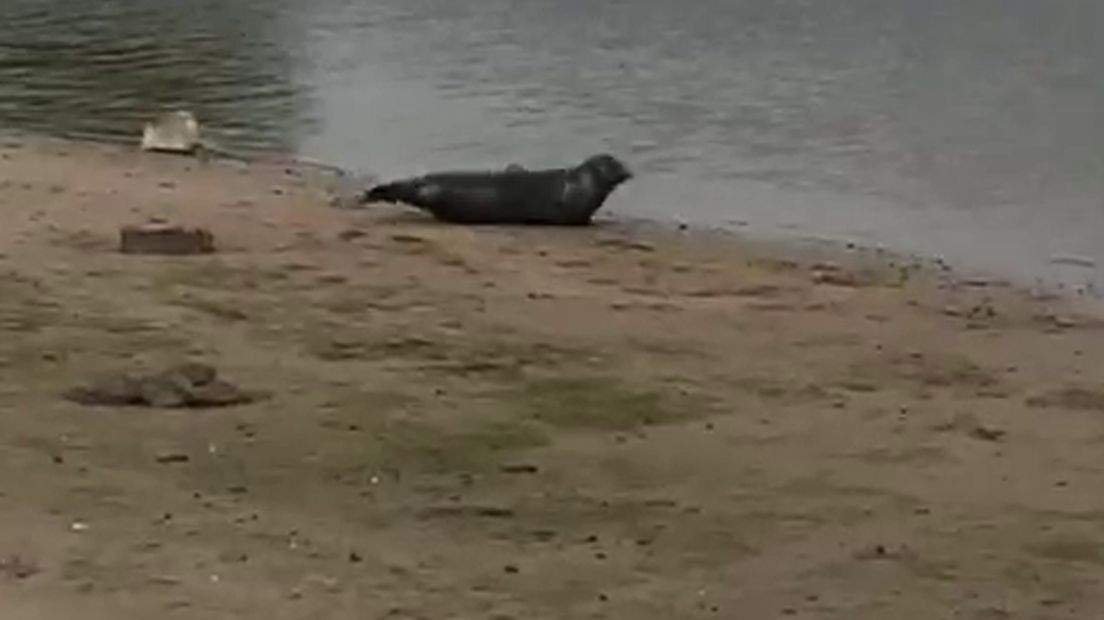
[971, 129]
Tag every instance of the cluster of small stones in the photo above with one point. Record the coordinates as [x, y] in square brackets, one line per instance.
[158, 238]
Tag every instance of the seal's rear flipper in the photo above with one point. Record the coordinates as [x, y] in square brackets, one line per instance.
[419, 192]
[399, 191]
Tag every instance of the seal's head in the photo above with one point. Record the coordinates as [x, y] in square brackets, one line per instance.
[608, 169]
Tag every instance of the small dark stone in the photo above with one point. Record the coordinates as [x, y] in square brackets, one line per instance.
[519, 468]
[495, 512]
[511, 569]
[172, 457]
[162, 393]
[355, 558]
[350, 234]
[986, 433]
[195, 373]
[15, 567]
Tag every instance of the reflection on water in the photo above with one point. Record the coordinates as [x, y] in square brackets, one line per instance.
[971, 129]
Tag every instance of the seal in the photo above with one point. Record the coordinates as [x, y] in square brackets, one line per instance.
[515, 195]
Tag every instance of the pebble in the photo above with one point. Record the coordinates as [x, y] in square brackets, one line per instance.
[986, 433]
[519, 468]
[350, 234]
[17, 567]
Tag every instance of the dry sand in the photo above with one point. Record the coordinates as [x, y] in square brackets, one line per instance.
[520, 423]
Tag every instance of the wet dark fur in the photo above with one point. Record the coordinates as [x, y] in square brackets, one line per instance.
[552, 197]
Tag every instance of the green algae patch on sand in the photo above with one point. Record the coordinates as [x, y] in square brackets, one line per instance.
[600, 403]
[479, 445]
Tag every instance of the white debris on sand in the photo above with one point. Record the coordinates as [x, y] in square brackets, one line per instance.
[172, 132]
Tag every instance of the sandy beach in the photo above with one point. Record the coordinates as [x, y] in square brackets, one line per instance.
[503, 423]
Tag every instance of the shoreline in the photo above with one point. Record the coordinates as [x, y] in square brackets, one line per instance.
[809, 248]
[627, 420]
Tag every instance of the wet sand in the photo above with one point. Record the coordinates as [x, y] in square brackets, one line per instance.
[617, 422]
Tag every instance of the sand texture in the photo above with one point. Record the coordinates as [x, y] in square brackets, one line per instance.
[508, 423]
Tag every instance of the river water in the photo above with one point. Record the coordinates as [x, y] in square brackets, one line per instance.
[969, 129]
